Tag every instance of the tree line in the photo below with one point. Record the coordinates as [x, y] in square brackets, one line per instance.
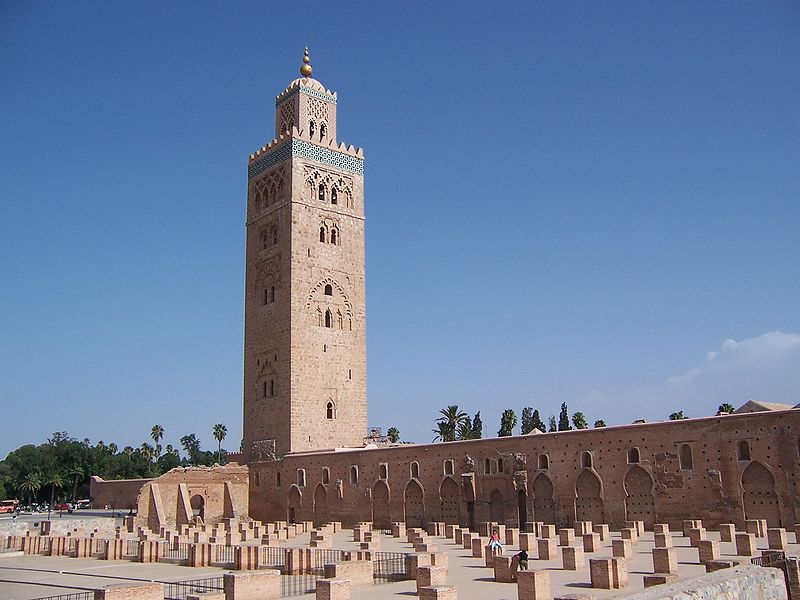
[59, 469]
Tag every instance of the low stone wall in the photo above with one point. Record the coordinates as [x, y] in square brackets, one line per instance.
[59, 525]
[120, 494]
[738, 583]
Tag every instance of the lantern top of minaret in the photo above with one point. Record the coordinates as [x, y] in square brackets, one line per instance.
[306, 70]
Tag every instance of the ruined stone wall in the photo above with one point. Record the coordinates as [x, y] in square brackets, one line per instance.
[719, 469]
[119, 493]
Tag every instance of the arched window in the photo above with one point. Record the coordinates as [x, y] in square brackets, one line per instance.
[487, 466]
[272, 293]
[329, 411]
[312, 128]
[265, 390]
[333, 236]
[633, 456]
[328, 318]
[415, 470]
[334, 195]
[322, 234]
[339, 318]
[500, 466]
[448, 467]
[326, 475]
[743, 450]
[384, 472]
[301, 477]
[283, 126]
[266, 295]
[353, 475]
[278, 479]
[328, 289]
[271, 387]
[686, 461]
[586, 460]
[544, 461]
[321, 192]
[322, 131]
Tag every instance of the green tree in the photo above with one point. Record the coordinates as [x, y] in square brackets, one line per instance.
[677, 416]
[191, 444]
[579, 420]
[508, 421]
[464, 431]
[30, 484]
[169, 460]
[157, 434]
[726, 409]
[477, 426]
[76, 474]
[54, 480]
[563, 418]
[393, 433]
[526, 420]
[448, 423]
[537, 421]
[551, 424]
[599, 423]
[220, 431]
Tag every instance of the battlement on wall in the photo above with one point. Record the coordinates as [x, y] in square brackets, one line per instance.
[308, 86]
[302, 134]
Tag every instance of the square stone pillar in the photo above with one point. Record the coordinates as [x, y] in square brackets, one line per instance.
[621, 548]
[583, 527]
[746, 544]
[751, 526]
[696, 535]
[602, 531]
[572, 558]
[566, 537]
[600, 573]
[200, 555]
[533, 585]
[663, 540]
[450, 531]
[414, 562]
[665, 560]
[478, 544]
[458, 535]
[333, 589]
[439, 559]
[131, 591]
[727, 531]
[114, 549]
[438, 592]
[629, 533]
[505, 569]
[546, 548]
[527, 541]
[661, 528]
[252, 585]
[431, 576]
[591, 542]
[707, 550]
[466, 539]
[512, 536]
[489, 555]
[547, 531]
[776, 538]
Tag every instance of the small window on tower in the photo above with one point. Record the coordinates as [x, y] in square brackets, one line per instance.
[326, 475]
[312, 128]
[415, 470]
[321, 193]
[271, 387]
[354, 475]
[448, 467]
[334, 196]
[329, 411]
[328, 318]
[266, 295]
[322, 131]
[383, 472]
[265, 390]
[333, 236]
[322, 234]
[301, 477]
[272, 294]
[328, 289]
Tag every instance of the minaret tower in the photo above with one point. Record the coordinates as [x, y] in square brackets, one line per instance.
[304, 325]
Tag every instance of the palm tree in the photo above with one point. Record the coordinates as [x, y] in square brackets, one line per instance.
[77, 475]
[393, 433]
[448, 423]
[157, 433]
[54, 480]
[30, 484]
[220, 431]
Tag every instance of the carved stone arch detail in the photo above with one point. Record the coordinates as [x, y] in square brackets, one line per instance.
[268, 272]
[337, 286]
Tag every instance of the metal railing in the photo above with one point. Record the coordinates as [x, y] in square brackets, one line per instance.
[388, 567]
[178, 590]
[179, 551]
[224, 554]
[327, 556]
[132, 547]
[300, 585]
[775, 559]
[72, 596]
[274, 557]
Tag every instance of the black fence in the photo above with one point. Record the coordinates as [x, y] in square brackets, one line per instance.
[300, 585]
[72, 596]
[224, 554]
[132, 547]
[272, 557]
[178, 590]
[179, 551]
[326, 556]
[388, 567]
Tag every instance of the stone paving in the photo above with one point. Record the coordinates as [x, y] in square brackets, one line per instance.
[28, 577]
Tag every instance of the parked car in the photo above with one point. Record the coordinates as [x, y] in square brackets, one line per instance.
[9, 506]
[64, 506]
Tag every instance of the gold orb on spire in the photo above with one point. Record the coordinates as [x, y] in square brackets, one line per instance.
[306, 70]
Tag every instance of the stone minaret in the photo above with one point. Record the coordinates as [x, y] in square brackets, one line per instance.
[305, 380]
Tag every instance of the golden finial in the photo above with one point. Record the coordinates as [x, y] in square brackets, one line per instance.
[306, 70]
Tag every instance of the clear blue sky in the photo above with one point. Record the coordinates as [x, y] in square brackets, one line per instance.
[566, 201]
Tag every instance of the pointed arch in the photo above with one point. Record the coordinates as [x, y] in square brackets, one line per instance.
[448, 493]
[381, 515]
[544, 507]
[294, 503]
[758, 494]
[321, 515]
[639, 501]
[589, 497]
[414, 504]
